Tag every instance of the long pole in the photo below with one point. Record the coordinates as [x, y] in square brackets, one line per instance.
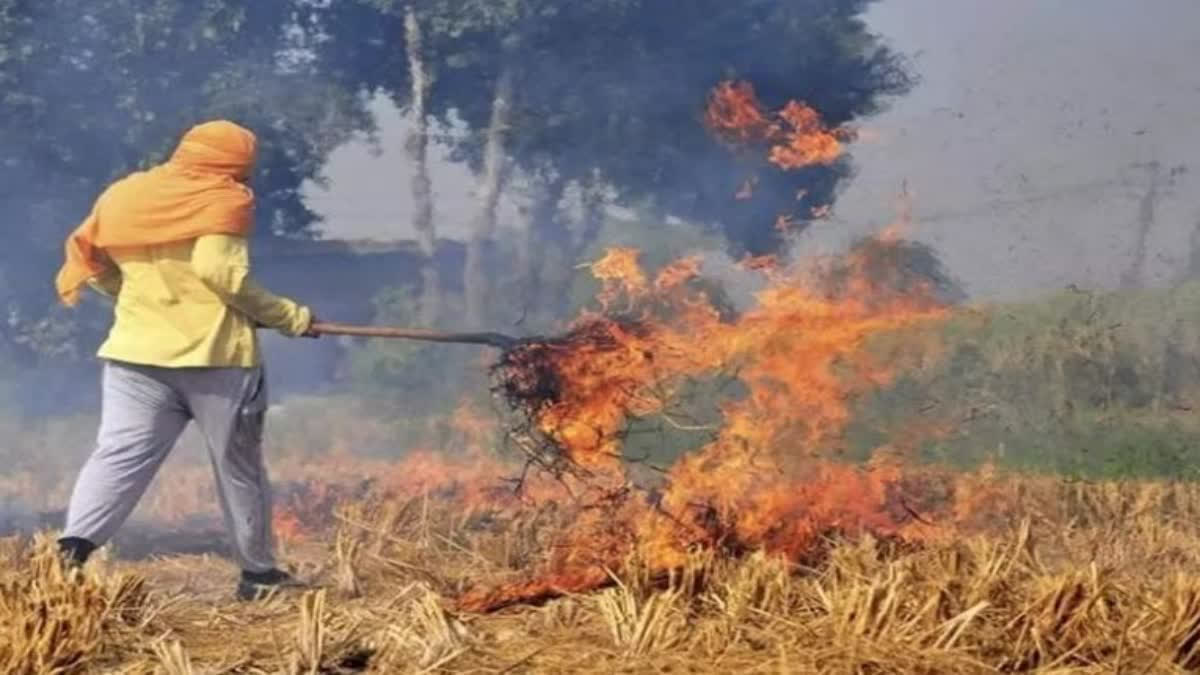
[492, 339]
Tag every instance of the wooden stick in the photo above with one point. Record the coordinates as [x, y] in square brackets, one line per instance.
[493, 339]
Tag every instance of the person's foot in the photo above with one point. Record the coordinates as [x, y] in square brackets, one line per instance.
[257, 585]
[75, 551]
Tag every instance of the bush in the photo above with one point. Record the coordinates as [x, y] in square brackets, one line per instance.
[1093, 385]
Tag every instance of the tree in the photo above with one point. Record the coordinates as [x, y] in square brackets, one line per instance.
[418, 148]
[599, 101]
[609, 96]
[385, 46]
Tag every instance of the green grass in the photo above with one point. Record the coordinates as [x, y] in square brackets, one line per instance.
[1094, 386]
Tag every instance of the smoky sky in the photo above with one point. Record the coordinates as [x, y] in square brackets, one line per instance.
[1025, 147]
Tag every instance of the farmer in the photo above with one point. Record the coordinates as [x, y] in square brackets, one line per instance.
[170, 245]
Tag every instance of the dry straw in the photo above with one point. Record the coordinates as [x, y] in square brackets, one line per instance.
[1073, 578]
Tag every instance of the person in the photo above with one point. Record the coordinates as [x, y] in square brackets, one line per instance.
[169, 245]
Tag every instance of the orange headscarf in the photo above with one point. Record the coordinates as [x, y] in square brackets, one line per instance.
[196, 192]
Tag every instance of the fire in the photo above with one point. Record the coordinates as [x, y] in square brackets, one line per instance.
[785, 349]
[805, 140]
[734, 112]
[763, 480]
[619, 268]
[796, 135]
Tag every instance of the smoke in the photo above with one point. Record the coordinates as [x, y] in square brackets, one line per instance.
[16, 517]
[1025, 152]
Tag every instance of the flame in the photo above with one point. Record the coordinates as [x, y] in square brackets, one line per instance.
[804, 141]
[764, 478]
[796, 135]
[618, 269]
[762, 481]
[734, 112]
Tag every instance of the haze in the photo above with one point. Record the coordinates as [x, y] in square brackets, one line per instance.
[1025, 147]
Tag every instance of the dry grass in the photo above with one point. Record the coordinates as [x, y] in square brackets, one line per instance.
[642, 625]
[57, 621]
[1073, 578]
[172, 659]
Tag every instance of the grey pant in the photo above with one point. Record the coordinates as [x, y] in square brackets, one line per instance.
[144, 411]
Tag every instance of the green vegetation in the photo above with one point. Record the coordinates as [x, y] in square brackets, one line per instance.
[1080, 384]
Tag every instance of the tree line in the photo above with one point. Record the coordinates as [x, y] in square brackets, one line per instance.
[577, 105]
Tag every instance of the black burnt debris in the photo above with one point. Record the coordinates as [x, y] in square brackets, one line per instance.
[529, 379]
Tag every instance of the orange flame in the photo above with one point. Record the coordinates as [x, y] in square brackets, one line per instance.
[763, 480]
[805, 140]
[760, 483]
[796, 134]
[734, 112]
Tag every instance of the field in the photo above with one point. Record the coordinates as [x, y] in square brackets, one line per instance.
[1040, 575]
[1012, 493]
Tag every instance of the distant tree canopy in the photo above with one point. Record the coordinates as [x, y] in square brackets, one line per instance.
[624, 98]
[599, 98]
[616, 89]
[608, 96]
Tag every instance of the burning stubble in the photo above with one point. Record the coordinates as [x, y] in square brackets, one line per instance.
[761, 483]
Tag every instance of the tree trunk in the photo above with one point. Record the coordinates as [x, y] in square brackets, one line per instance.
[422, 189]
[545, 251]
[475, 278]
[557, 246]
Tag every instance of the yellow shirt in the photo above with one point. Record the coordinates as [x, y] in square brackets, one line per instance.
[190, 304]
